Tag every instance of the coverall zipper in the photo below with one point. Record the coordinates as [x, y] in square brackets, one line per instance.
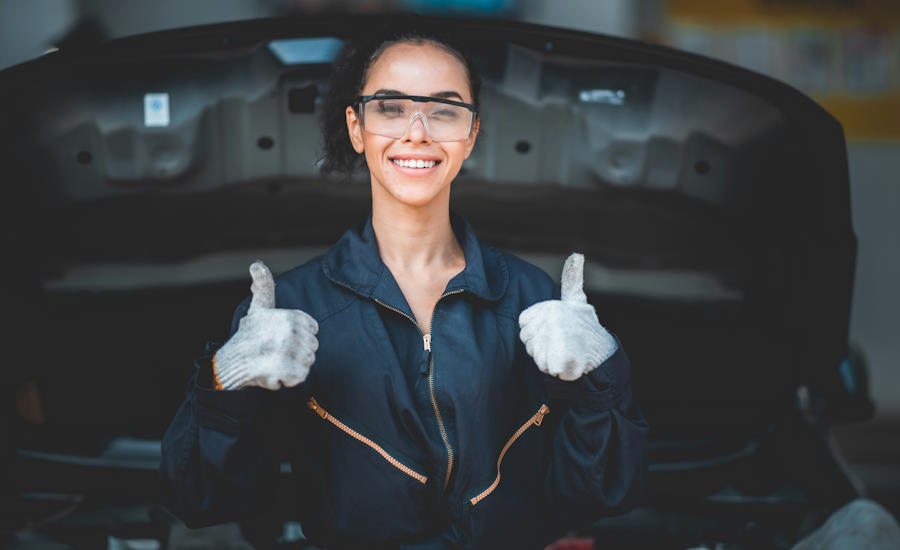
[535, 420]
[324, 415]
[426, 343]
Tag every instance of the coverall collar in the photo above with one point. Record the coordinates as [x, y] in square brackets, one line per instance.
[354, 262]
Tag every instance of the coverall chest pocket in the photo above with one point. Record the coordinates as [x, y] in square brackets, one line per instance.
[514, 486]
[367, 486]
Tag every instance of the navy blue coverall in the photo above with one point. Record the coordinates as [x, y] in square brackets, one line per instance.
[398, 439]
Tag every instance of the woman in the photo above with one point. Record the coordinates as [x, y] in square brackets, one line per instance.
[404, 370]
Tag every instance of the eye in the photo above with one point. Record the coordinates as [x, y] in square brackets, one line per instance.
[445, 114]
[390, 108]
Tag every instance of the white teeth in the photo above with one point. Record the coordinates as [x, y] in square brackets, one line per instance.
[415, 163]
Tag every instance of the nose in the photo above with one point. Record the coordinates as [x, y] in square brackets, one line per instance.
[417, 130]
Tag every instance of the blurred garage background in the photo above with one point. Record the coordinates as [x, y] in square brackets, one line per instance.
[843, 53]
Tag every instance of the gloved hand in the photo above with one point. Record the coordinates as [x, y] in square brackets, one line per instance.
[271, 347]
[564, 337]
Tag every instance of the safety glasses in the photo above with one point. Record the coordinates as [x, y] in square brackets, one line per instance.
[392, 116]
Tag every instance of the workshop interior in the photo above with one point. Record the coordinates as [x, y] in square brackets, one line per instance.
[725, 167]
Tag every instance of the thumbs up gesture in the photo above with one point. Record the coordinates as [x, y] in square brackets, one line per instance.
[271, 347]
[564, 337]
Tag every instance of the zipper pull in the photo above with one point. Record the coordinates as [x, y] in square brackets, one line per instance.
[314, 405]
[426, 339]
[540, 415]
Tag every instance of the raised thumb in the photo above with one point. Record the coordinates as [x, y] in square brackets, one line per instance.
[572, 281]
[263, 287]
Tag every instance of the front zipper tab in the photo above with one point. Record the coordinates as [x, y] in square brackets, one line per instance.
[541, 412]
[426, 339]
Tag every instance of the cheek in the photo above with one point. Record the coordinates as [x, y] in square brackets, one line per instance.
[373, 148]
[371, 158]
[456, 154]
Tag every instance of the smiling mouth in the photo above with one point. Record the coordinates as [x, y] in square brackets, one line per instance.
[416, 163]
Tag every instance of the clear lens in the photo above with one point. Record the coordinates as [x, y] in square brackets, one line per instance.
[391, 118]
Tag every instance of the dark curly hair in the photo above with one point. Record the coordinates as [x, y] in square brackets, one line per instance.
[349, 76]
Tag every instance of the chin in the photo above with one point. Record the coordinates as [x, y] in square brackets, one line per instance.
[413, 194]
[415, 199]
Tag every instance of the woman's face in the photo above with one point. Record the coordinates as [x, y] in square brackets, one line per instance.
[413, 69]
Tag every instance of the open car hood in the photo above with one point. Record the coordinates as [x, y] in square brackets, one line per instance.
[711, 203]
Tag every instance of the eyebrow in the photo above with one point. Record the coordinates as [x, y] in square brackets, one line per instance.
[448, 94]
[443, 95]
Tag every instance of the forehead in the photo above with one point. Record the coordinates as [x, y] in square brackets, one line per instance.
[418, 69]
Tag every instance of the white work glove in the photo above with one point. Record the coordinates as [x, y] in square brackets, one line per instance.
[271, 347]
[564, 337]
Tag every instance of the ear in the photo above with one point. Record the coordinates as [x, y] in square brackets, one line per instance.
[470, 143]
[354, 129]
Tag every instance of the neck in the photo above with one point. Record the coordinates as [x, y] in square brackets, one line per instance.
[415, 238]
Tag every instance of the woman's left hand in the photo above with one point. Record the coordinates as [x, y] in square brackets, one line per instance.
[564, 337]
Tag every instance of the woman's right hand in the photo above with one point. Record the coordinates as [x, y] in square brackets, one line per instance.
[271, 347]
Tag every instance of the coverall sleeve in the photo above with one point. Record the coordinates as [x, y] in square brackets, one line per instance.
[598, 450]
[221, 454]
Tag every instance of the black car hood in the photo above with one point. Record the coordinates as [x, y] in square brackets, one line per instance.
[712, 203]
